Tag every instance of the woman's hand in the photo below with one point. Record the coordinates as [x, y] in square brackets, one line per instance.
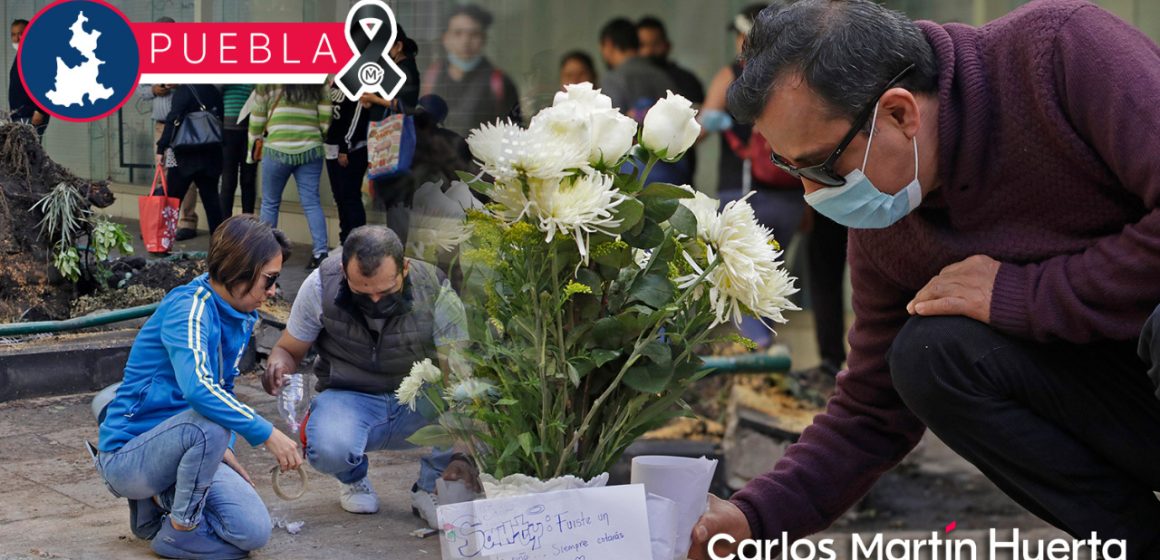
[285, 450]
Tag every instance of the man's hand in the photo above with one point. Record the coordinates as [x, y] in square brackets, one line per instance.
[461, 469]
[160, 90]
[232, 461]
[278, 366]
[343, 160]
[963, 288]
[37, 118]
[721, 517]
[285, 450]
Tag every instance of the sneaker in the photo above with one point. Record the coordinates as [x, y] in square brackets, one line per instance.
[145, 517]
[198, 543]
[359, 497]
[316, 261]
[423, 506]
[184, 234]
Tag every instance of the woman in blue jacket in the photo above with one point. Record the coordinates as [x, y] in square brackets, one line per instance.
[173, 421]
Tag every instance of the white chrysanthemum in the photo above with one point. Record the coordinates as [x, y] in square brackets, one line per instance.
[511, 203]
[550, 149]
[421, 373]
[471, 389]
[576, 206]
[749, 273]
[704, 208]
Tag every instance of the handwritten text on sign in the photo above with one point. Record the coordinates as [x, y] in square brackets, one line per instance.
[587, 524]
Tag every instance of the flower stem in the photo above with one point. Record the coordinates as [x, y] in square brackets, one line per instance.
[641, 342]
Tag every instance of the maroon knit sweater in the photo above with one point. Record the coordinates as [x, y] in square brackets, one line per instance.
[1049, 162]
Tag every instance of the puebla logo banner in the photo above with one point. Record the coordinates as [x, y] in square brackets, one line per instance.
[81, 60]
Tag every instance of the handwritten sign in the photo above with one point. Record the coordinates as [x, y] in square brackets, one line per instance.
[586, 524]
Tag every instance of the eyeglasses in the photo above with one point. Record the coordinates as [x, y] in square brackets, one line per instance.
[823, 173]
[271, 279]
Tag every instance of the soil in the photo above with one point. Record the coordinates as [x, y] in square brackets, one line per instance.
[29, 288]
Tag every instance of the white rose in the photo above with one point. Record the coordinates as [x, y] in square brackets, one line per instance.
[584, 96]
[670, 127]
[613, 135]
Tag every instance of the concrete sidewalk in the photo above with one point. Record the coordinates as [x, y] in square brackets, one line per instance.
[54, 505]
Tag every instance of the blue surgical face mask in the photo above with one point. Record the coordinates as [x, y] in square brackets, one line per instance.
[859, 204]
[465, 64]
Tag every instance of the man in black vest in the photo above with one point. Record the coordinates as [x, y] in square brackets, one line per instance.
[370, 314]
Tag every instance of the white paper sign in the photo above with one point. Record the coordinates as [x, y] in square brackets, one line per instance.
[586, 524]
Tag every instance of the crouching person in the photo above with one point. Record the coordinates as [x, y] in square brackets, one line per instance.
[370, 314]
[167, 436]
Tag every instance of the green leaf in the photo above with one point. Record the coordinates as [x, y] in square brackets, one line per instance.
[581, 367]
[629, 213]
[507, 402]
[608, 332]
[651, 235]
[684, 221]
[659, 353]
[591, 279]
[659, 209]
[664, 190]
[432, 435]
[654, 290]
[477, 185]
[525, 440]
[573, 374]
[602, 357]
[650, 378]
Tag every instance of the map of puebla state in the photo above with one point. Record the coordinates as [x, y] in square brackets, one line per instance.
[74, 83]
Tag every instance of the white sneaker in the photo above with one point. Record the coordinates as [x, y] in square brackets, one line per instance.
[359, 497]
[423, 505]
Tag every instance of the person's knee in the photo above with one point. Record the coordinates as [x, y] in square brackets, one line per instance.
[920, 356]
[328, 448]
[249, 532]
[200, 430]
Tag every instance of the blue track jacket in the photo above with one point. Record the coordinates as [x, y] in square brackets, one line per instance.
[186, 356]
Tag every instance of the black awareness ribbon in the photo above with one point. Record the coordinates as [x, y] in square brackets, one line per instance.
[370, 50]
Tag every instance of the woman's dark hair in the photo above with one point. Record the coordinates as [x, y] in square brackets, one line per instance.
[240, 247]
[410, 47]
[302, 93]
[845, 50]
[581, 57]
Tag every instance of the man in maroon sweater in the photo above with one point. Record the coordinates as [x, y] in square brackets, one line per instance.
[1004, 250]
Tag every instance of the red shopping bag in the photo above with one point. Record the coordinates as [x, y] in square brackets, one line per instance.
[158, 215]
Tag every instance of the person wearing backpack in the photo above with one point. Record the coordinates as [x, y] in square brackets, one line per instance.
[199, 164]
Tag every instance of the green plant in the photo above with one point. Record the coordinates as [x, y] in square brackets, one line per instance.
[67, 219]
[588, 290]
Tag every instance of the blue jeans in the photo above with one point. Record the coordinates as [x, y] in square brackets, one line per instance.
[180, 460]
[308, 177]
[344, 425]
[781, 211]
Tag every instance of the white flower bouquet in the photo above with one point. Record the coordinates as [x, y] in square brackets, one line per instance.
[589, 289]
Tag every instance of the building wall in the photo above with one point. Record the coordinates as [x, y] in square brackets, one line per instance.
[527, 39]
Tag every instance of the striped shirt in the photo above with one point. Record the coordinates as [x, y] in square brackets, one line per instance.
[234, 97]
[296, 130]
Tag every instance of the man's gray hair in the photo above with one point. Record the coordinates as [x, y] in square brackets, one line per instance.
[371, 244]
[846, 51]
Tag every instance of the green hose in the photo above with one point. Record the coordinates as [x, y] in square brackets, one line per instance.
[747, 363]
[95, 320]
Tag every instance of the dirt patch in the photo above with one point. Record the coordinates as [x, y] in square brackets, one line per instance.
[29, 289]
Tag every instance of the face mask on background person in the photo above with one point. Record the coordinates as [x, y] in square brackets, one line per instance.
[859, 204]
[465, 64]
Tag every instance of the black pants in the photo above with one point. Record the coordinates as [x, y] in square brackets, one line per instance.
[826, 250]
[346, 184]
[234, 167]
[1071, 432]
[180, 179]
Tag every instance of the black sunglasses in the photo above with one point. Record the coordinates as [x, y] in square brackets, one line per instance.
[271, 279]
[823, 173]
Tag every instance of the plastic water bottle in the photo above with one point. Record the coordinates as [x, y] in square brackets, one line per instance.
[294, 401]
